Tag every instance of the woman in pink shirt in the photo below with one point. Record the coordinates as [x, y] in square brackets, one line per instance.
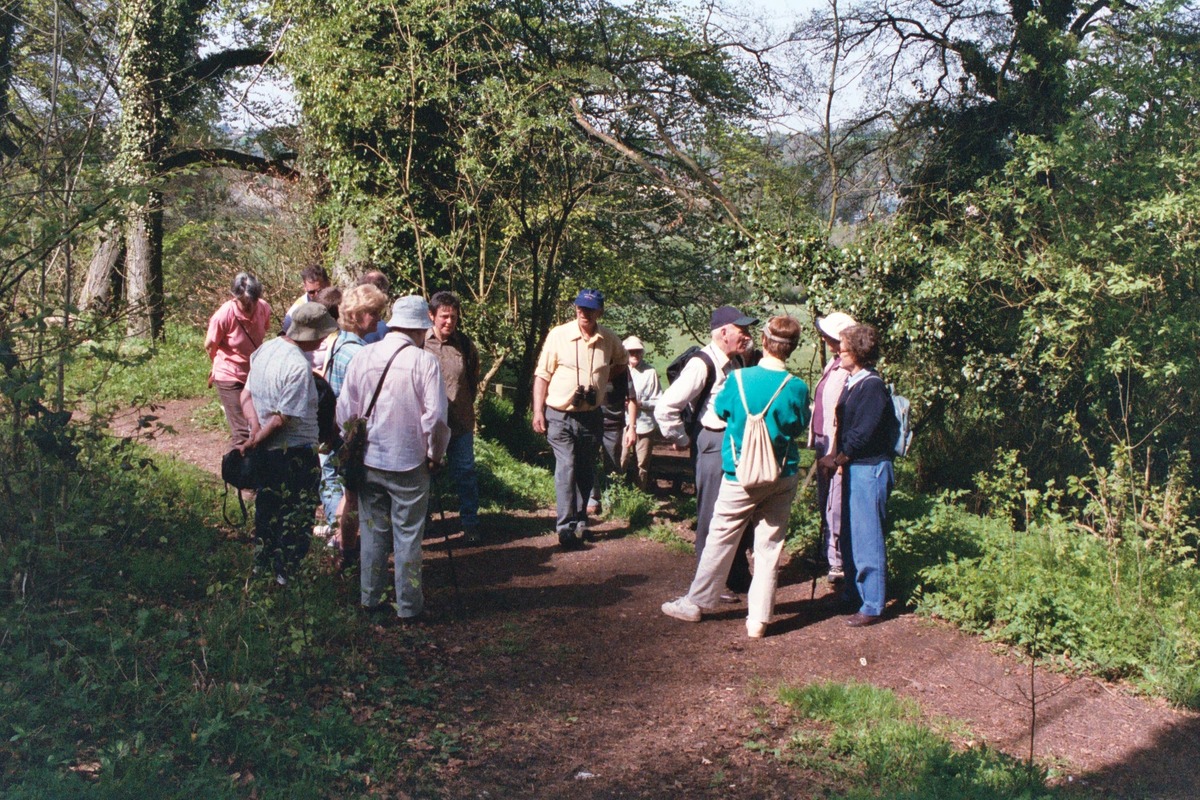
[235, 331]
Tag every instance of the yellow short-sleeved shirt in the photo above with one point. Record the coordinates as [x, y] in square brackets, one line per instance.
[568, 359]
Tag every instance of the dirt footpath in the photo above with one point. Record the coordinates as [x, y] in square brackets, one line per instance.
[573, 684]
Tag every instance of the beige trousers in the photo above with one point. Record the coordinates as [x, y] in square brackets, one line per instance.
[767, 508]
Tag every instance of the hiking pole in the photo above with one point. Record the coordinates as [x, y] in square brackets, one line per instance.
[441, 509]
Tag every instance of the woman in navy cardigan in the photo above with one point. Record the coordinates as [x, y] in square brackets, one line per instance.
[866, 438]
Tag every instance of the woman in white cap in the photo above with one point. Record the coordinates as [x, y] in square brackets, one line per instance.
[821, 437]
[647, 389]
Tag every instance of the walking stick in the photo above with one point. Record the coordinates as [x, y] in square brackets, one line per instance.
[441, 509]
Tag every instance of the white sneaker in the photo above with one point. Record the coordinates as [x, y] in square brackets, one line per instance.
[321, 530]
[682, 608]
[756, 630]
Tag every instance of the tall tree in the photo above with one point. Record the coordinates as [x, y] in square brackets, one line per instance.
[485, 146]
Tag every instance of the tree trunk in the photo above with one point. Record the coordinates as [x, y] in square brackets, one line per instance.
[102, 287]
[143, 268]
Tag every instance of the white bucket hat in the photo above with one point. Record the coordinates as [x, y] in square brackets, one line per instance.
[833, 325]
[410, 312]
[633, 343]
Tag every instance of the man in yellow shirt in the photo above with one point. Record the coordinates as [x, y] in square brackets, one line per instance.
[577, 360]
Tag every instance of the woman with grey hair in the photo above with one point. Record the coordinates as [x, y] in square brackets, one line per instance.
[234, 332]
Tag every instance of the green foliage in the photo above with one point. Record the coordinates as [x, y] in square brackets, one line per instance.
[628, 502]
[666, 534]
[514, 151]
[140, 660]
[117, 373]
[876, 743]
[506, 482]
[1121, 608]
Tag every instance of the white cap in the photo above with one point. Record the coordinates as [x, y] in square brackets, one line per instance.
[633, 343]
[833, 325]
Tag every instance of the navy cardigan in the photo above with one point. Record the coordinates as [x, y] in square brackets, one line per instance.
[866, 422]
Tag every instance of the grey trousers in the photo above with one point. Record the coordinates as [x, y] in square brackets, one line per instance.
[829, 504]
[709, 474]
[391, 516]
[575, 438]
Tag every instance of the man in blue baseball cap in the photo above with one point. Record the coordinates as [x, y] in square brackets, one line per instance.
[577, 360]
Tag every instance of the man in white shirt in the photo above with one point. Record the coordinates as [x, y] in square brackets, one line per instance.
[697, 387]
[280, 403]
[407, 435]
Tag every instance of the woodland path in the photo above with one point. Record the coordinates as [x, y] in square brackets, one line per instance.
[570, 683]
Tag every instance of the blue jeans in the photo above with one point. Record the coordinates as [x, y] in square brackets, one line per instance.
[391, 513]
[460, 459]
[866, 490]
[331, 488]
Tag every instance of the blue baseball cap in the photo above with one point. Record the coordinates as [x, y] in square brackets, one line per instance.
[590, 298]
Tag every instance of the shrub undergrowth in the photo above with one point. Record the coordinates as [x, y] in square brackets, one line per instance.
[1118, 609]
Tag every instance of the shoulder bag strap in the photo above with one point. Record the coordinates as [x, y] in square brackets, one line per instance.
[379, 386]
[248, 336]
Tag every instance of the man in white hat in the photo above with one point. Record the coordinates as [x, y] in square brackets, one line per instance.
[821, 438]
[407, 436]
[280, 403]
[646, 388]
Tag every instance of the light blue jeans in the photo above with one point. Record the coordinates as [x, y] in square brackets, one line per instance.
[331, 489]
[867, 487]
[460, 459]
[391, 513]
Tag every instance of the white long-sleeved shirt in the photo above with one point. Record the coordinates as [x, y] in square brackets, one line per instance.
[648, 390]
[686, 388]
[408, 424]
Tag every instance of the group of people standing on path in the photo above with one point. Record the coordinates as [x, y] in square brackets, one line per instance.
[414, 380]
[853, 431]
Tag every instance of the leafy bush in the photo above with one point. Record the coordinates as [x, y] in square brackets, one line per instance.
[629, 503]
[496, 422]
[140, 660]
[506, 482]
[1117, 608]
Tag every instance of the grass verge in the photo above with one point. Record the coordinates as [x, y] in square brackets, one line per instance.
[865, 742]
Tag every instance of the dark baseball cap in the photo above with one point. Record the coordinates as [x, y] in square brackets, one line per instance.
[590, 298]
[728, 315]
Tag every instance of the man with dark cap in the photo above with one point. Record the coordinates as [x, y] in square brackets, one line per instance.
[577, 361]
[697, 387]
[280, 402]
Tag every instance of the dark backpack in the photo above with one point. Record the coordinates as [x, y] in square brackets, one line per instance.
[691, 413]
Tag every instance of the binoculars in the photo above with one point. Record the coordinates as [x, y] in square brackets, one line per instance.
[584, 396]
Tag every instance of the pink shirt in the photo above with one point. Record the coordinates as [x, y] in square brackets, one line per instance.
[829, 389]
[232, 337]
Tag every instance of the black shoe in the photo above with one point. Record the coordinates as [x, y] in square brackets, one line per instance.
[567, 540]
[861, 620]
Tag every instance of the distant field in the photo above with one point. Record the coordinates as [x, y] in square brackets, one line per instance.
[805, 362]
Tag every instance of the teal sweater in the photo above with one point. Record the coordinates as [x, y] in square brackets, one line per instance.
[787, 420]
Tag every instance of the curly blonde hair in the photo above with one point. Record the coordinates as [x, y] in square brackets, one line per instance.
[358, 301]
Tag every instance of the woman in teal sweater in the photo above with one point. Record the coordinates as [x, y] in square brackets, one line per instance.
[766, 507]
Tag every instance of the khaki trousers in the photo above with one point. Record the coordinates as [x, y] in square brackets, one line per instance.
[767, 509]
